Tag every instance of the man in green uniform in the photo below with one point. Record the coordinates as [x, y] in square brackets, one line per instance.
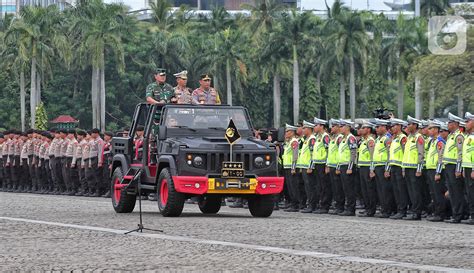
[331, 166]
[434, 169]
[304, 163]
[394, 168]
[347, 156]
[320, 155]
[159, 92]
[452, 158]
[413, 158]
[468, 164]
[290, 157]
[365, 158]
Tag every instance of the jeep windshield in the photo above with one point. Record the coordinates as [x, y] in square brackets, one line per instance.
[205, 118]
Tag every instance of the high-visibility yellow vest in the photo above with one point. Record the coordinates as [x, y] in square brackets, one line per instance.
[319, 151]
[468, 152]
[450, 155]
[396, 151]
[363, 152]
[304, 157]
[288, 154]
[344, 156]
[410, 154]
[380, 156]
[431, 156]
[333, 151]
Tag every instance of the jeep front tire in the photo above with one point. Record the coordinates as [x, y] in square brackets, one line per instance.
[170, 202]
[121, 201]
[210, 204]
[261, 205]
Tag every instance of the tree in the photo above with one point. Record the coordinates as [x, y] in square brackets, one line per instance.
[295, 26]
[347, 34]
[398, 51]
[41, 122]
[101, 27]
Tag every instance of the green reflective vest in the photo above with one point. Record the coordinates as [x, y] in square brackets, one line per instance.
[304, 157]
[450, 155]
[410, 155]
[468, 152]
[432, 155]
[319, 151]
[333, 151]
[344, 156]
[288, 154]
[380, 156]
[363, 152]
[396, 151]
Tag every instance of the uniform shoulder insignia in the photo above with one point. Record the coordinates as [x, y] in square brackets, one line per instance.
[459, 139]
[352, 140]
[439, 146]
[371, 143]
[294, 144]
[313, 140]
[420, 140]
[326, 139]
[403, 140]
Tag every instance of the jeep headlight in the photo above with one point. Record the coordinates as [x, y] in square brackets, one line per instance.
[259, 162]
[198, 162]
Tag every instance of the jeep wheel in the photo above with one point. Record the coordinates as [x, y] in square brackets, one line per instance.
[210, 204]
[170, 202]
[121, 201]
[261, 205]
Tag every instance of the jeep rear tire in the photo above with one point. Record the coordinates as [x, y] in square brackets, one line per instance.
[261, 205]
[210, 204]
[121, 201]
[170, 202]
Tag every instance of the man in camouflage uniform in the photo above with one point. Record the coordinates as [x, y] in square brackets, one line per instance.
[182, 93]
[205, 94]
[159, 92]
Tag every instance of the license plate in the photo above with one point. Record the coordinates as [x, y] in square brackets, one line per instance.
[233, 170]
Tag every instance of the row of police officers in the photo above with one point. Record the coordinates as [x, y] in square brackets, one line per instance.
[67, 162]
[409, 169]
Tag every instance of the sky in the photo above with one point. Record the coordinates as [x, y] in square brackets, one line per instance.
[310, 4]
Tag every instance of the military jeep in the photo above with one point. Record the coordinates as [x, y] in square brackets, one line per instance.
[184, 154]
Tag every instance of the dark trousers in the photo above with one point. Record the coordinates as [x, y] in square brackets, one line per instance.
[3, 183]
[15, 172]
[65, 173]
[59, 174]
[357, 186]
[24, 174]
[456, 191]
[385, 191]
[369, 189]
[32, 174]
[426, 194]
[94, 176]
[301, 191]
[72, 175]
[415, 188]
[322, 180]
[438, 190]
[292, 184]
[400, 189]
[337, 190]
[348, 186]
[83, 180]
[311, 188]
[6, 173]
[470, 190]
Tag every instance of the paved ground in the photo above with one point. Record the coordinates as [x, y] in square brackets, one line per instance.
[39, 232]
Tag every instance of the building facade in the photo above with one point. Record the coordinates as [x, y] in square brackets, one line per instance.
[14, 6]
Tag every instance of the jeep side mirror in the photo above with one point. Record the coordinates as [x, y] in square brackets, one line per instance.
[162, 132]
[281, 135]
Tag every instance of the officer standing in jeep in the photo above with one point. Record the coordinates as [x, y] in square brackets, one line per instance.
[160, 91]
[205, 94]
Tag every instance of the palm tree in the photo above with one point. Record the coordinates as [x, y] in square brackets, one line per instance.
[101, 27]
[429, 8]
[347, 34]
[295, 26]
[39, 33]
[398, 51]
[273, 56]
[264, 15]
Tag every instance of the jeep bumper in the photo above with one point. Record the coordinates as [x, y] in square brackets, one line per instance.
[200, 185]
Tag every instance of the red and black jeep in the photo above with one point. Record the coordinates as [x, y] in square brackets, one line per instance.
[184, 154]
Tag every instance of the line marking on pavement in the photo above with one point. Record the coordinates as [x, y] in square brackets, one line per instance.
[314, 254]
[286, 215]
